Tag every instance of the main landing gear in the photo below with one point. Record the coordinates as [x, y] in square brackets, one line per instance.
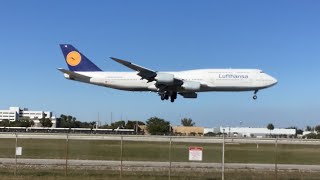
[168, 94]
[255, 95]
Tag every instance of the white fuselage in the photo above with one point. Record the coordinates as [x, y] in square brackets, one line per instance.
[210, 80]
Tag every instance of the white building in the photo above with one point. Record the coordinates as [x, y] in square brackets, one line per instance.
[8, 114]
[251, 132]
[15, 112]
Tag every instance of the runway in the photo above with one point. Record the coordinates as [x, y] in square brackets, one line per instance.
[195, 139]
[149, 164]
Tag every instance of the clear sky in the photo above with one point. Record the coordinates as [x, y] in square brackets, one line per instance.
[280, 37]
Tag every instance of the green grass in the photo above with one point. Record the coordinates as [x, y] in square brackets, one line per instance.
[153, 151]
[32, 173]
[159, 151]
[286, 154]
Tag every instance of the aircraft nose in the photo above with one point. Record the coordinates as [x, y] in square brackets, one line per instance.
[274, 80]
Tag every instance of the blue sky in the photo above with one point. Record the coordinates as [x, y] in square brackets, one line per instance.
[280, 37]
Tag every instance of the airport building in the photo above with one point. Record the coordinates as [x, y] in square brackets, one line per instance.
[14, 113]
[251, 132]
[188, 130]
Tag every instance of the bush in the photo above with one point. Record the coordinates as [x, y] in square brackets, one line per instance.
[312, 136]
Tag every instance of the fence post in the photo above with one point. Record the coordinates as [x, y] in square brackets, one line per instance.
[121, 154]
[170, 146]
[222, 170]
[66, 155]
[275, 159]
[15, 155]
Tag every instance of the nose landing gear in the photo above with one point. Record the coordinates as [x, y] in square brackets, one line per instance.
[255, 95]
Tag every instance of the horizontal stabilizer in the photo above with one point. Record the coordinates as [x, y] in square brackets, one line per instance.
[74, 75]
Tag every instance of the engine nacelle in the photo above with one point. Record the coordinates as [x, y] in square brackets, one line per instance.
[164, 78]
[191, 85]
[189, 95]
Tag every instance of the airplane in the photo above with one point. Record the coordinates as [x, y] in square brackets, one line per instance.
[167, 84]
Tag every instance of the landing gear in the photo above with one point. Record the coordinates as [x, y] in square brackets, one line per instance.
[255, 95]
[162, 96]
[173, 96]
[168, 94]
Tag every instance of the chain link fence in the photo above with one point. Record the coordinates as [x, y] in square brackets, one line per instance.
[160, 157]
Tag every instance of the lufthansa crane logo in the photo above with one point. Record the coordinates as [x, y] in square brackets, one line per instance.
[73, 58]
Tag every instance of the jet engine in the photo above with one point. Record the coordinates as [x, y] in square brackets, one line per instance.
[191, 85]
[164, 78]
[189, 95]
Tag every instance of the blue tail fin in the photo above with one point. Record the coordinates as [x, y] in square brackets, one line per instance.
[76, 60]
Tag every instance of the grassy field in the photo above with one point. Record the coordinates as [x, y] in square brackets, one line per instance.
[159, 151]
[153, 151]
[31, 173]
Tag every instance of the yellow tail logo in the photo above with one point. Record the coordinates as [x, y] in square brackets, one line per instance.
[73, 58]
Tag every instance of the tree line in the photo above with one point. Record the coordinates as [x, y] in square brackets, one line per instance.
[154, 125]
[25, 122]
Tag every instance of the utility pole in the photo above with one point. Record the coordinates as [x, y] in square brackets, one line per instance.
[137, 126]
[110, 118]
[98, 122]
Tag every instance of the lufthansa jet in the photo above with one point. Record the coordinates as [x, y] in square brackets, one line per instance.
[166, 84]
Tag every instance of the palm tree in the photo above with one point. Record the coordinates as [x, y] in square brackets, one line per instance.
[187, 122]
[270, 127]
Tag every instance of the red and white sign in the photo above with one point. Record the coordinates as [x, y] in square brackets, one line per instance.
[195, 153]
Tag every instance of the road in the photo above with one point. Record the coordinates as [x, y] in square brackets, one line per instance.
[196, 139]
[159, 164]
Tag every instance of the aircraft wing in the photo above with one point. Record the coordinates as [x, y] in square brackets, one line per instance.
[149, 74]
[74, 74]
[143, 72]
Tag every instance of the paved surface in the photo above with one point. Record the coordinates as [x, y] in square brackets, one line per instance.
[159, 164]
[160, 138]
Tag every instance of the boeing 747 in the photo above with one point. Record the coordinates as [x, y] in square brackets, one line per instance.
[166, 84]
